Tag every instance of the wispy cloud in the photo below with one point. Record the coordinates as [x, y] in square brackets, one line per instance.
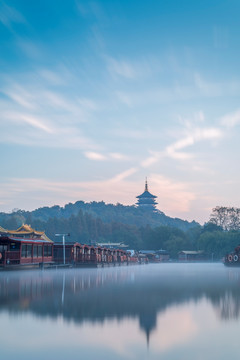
[122, 176]
[173, 150]
[20, 96]
[37, 107]
[133, 69]
[51, 77]
[231, 120]
[118, 156]
[197, 87]
[215, 89]
[196, 136]
[33, 121]
[9, 15]
[196, 119]
[101, 157]
[94, 156]
[152, 159]
[121, 68]
[91, 9]
[29, 48]
[146, 132]
[26, 132]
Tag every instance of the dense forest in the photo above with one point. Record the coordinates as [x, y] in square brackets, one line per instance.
[129, 215]
[140, 229]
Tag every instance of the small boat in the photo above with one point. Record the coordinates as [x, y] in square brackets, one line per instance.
[233, 258]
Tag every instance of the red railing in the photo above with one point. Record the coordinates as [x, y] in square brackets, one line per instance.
[11, 257]
[86, 258]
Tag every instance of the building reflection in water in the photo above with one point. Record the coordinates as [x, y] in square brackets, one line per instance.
[139, 292]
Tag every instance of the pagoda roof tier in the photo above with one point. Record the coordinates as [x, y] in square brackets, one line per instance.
[146, 204]
[146, 194]
[147, 200]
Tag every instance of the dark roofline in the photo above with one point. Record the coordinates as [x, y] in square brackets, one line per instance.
[146, 194]
[26, 240]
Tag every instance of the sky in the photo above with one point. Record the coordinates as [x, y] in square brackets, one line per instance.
[95, 96]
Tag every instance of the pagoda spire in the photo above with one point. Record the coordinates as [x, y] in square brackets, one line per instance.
[146, 185]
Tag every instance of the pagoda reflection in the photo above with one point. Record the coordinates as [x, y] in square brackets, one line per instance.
[99, 294]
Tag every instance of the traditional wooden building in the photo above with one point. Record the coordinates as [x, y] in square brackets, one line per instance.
[191, 256]
[156, 256]
[163, 255]
[81, 254]
[24, 246]
[146, 200]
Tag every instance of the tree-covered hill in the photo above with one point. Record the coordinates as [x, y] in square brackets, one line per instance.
[99, 222]
[108, 213]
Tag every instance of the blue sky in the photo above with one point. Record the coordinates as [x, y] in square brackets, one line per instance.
[97, 95]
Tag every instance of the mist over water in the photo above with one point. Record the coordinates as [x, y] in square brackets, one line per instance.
[169, 311]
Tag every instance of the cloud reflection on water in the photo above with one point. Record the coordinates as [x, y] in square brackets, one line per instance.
[121, 309]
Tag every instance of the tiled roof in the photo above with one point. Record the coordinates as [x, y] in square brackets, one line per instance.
[2, 230]
[146, 194]
[26, 230]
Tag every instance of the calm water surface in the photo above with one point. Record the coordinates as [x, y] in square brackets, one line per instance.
[162, 311]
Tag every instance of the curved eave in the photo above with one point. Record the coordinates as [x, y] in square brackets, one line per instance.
[38, 233]
[146, 194]
[153, 203]
[24, 240]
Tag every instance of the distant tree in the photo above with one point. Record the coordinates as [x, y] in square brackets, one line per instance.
[234, 218]
[176, 244]
[228, 218]
[210, 227]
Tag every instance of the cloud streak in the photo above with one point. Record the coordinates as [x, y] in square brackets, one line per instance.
[91, 155]
[231, 120]
[94, 156]
[196, 136]
[121, 68]
[131, 69]
[32, 121]
[9, 15]
[43, 116]
[173, 150]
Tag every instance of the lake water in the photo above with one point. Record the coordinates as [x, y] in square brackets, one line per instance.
[158, 311]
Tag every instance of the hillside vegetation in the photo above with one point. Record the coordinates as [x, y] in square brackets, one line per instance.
[99, 222]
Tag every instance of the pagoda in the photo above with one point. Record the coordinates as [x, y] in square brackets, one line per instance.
[146, 200]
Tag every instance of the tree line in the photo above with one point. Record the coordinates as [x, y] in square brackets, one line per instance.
[216, 238]
[130, 215]
[228, 218]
